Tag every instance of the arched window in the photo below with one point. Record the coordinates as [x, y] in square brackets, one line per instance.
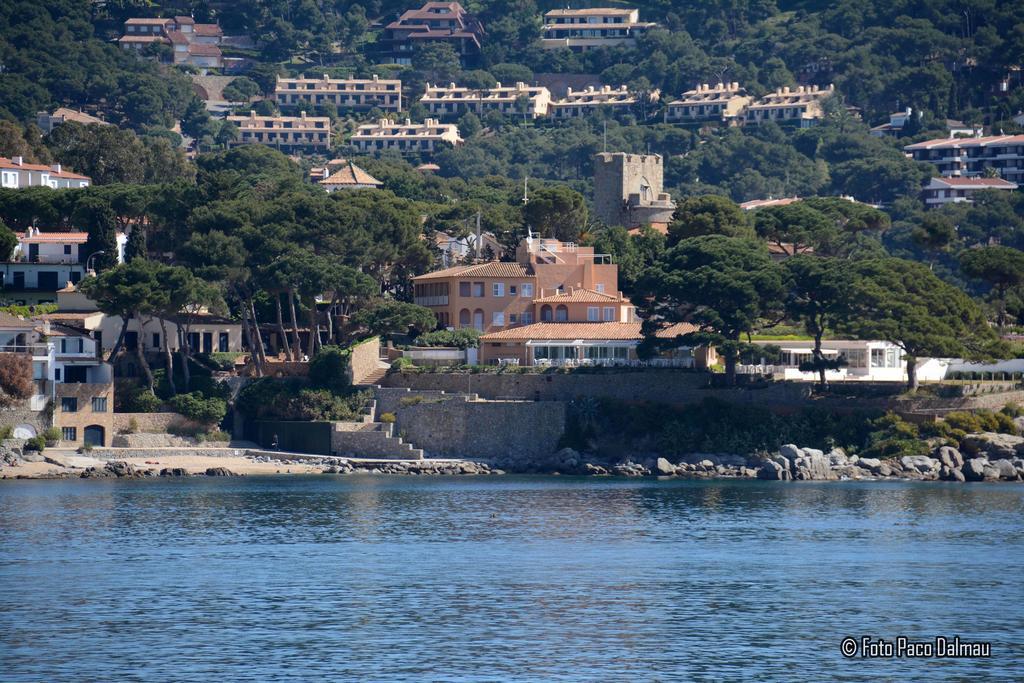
[561, 313]
[464, 317]
[545, 313]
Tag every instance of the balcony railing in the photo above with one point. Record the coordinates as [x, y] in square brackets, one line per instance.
[35, 350]
[431, 300]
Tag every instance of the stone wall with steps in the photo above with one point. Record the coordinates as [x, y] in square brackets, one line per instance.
[371, 440]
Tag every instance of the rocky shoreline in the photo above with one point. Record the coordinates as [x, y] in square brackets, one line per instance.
[982, 457]
[985, 456]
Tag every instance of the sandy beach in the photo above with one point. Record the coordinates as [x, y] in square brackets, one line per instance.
[194, 464]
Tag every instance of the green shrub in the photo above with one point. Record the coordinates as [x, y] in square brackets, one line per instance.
[6, 431]
[195, 406]
[36, 443]
[329, 369]
[222, 361]
[406, 401]
[463, 338]
[85, 448]
[132, 428]
[141, 401]
[218, 435]
[387, 418]
[1012, 410]
[401, 363]
[52, 435]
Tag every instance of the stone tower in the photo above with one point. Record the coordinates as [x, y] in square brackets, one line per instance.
[628, 190]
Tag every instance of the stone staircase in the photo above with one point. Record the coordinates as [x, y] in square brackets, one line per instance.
[374, 378]
[371, 440]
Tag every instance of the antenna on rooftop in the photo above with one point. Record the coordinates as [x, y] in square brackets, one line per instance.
[526, 190]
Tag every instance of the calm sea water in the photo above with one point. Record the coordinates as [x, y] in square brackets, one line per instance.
[471, 579]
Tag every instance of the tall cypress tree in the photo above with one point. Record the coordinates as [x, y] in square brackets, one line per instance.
[136, 246]
[100, 221]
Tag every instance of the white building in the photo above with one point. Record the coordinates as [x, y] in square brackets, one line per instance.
[585, 29]
[873, 361]
[802, 105]
[941, 191]
[723, 102]
[587, 102]
[343, 93]
[973, 156]
[517, 100]
[47, 121]
[15, 173]
[285, 132]
[895, 126]
[191, 43]
[405, 137]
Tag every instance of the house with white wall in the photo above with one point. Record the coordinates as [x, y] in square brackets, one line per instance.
[866, 360]
[16, 173]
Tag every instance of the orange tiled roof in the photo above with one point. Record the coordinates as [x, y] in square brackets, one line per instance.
[490, 269]
[9, 164]
[57, 238]
[579, 296]
[350, 174]
[673, 331]
[568, 331]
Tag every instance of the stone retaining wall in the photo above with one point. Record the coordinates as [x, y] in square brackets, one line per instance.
[23, 416]
[390, 399]
[493, 430]
[157, 453]
[665, 386]
[147, 440]
[363, 359]
[682, 388]
[152, 423]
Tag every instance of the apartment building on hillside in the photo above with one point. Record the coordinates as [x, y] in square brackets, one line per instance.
[434, 22]
[190, 43]
[289, 133]
[801, 105]
[511, 100]
[941, 191]
[344, 93]
[721, 102]
[971, 157]
[588, 102]
[407, 137]
[585, 29]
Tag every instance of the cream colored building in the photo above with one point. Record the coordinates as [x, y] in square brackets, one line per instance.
[586, 102]
[802, 105]
[343, 93]
[585, 29]
[722, 102]
[286, 132]
[453, 100]
[405, 137]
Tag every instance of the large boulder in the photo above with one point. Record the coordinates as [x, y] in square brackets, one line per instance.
[868, 463]
[974, 469]
[219, 472]
[837, 457]
[1007, 471]
[991, 472]
[790, 451]
[920, 463]
[773, 471]
[950, 474]
[664, 468]
[813, 451]
[995, 446]
[950, 457]
[812, 467]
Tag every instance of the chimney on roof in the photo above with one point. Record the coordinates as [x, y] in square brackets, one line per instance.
[17, 161]
[735, 85]
[55, 168]
[252, 113]
[302, 114]
[408, 122]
